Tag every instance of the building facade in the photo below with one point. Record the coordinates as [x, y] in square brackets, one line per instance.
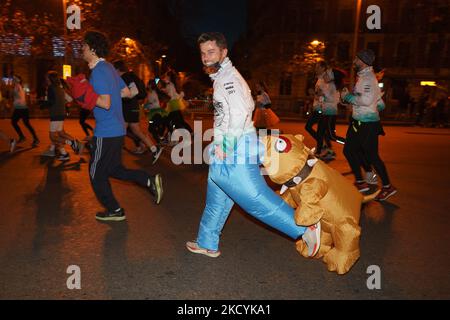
[412, 45]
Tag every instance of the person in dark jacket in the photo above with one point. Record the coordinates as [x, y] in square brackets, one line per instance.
[131, 111]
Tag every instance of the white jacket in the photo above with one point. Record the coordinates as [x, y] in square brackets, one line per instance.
[20, 101]
[365, 97]
[326, 97]
[233, 104]
[318, 94]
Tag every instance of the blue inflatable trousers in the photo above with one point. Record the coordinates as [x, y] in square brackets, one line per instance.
[238, 179]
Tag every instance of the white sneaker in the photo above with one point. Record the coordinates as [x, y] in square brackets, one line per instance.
[12, 145]
[139, 150]
[193, 247]
[157, 154]
[49, 153]
[371, 177]
[312, 239]
[64, 157]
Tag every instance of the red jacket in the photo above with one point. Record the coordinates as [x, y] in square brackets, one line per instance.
[82, 91]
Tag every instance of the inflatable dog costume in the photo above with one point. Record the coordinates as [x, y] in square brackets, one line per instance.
[317, 192]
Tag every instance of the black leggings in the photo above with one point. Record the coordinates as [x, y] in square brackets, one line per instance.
[84, 114]
[314, 118]
[157, 127]
[176, 121]
[362, 146]
[330, 130]
[326, 130]
[23, 114]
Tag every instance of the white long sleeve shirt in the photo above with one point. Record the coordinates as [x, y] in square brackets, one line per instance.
[365, 97]
[233, 104]
[326, 96]
[20, 101]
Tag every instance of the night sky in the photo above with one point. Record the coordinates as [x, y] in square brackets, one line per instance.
[198, 16]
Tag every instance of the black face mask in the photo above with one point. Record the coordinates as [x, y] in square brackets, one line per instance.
[211, 69]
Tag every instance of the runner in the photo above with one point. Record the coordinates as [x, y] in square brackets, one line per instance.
[103, 94]
[56, 97]
[21, 111]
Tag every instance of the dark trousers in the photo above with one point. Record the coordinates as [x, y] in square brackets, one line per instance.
[105, 163]
[313, 119]
[330, 130]
[157, 127]
[362, 145]
[84, 114]
[176, 121]
[322, 134]
[327, 131]
[23, 114]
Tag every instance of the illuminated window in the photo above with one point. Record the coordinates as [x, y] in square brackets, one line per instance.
[14, 44]
[59, 47]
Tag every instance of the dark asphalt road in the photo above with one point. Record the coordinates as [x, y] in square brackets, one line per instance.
[47, 224]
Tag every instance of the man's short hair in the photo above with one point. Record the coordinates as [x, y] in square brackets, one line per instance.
[98, 42]
[120, 65]
[218, 37]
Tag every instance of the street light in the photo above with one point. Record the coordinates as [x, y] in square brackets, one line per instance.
[317, 48]
[355, 40]
[64, 5]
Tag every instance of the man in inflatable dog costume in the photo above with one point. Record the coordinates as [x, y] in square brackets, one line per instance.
[234, 173]
[318, 193]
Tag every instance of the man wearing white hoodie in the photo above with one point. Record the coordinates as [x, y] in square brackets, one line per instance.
[234, 175]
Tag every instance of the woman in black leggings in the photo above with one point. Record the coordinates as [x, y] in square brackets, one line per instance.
[21, 111]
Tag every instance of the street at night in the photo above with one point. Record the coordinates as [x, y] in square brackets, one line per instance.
[224, 159]
[48, 224]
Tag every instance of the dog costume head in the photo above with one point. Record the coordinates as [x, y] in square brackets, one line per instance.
[287, 159]
[318, 193]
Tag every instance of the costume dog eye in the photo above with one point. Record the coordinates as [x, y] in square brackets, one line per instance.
[283, 145]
